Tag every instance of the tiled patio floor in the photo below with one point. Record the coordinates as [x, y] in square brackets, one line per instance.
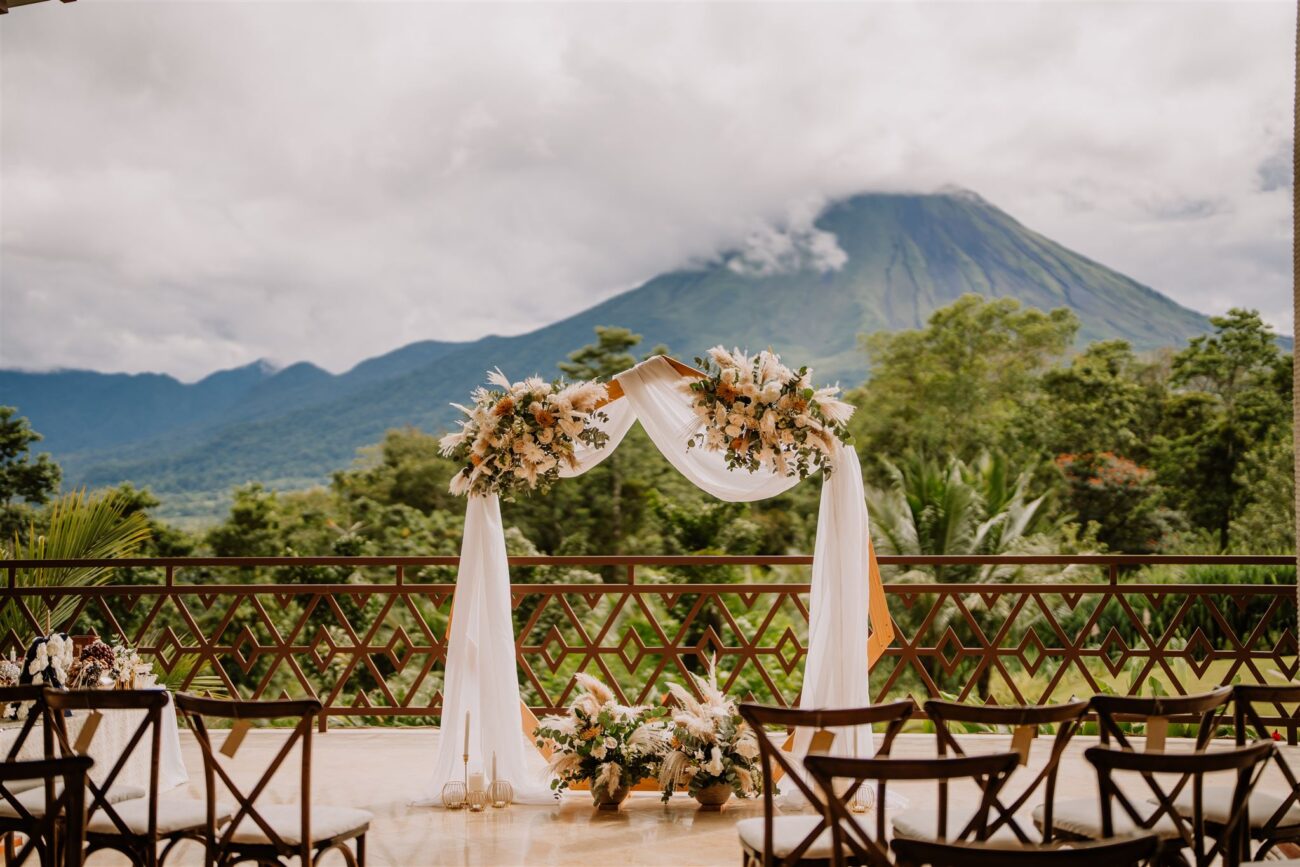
[384, 771]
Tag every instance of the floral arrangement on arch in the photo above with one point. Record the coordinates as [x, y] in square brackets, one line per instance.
[599, 741]
[761, 413]
[519, 435]
[710, 743]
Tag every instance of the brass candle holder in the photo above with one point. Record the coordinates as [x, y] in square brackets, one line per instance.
[477, 800]
[501, 793]
[455, 795]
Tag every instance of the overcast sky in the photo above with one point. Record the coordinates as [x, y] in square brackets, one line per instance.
[187, 186]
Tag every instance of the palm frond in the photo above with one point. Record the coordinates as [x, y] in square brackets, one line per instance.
[80, 526]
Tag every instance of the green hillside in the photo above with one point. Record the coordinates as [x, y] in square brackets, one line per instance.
[907, 255]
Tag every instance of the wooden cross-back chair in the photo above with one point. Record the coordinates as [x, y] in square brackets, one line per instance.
[1154, 810]
[28, 703]
[122, 816]
[54, 827]
[784, 841]
[268, 834]
[1023, 721]
[1129, 852]
[1079, 818]
[1274, 819]
[1208, 710]
[852, 842]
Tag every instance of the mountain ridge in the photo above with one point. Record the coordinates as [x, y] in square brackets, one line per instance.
[904, 256]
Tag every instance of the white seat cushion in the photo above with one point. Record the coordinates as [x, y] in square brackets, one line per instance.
[1216, 802]
[33, 800]
[923, 824]
[174, 814]
[787, 833]
[1082, 818]
[286, 820]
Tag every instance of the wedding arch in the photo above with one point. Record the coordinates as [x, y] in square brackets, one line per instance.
[481, 702]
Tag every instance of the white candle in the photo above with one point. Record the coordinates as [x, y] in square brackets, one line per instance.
[467, 733]
[476, 782]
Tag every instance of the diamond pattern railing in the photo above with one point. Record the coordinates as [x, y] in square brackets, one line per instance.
[367, 635]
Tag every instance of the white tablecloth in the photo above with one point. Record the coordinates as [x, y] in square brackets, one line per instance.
[110, 740]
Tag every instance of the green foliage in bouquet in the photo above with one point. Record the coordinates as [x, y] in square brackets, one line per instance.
[709, 743]
[601, 742]
[762, 414]
[520, 435]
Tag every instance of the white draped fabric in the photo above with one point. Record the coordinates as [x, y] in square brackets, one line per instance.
[481, 672]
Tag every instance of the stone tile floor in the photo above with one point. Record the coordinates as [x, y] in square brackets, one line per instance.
[384, 770]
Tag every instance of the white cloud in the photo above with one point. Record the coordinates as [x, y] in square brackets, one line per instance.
[790, 245]
[188, 186]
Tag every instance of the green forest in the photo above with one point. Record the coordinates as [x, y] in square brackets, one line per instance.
[988, 431]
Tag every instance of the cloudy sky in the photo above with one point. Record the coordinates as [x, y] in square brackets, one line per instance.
[186, 186]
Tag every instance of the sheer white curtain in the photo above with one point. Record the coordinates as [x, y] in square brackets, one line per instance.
[481, 675]
[481, 672]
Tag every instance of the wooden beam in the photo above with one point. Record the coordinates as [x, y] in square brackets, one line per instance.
[615, 389]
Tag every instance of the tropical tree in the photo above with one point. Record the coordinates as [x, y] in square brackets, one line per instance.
[1231, 393]
[930, 506]
[26, 480]
[78, 526]
[957, 386]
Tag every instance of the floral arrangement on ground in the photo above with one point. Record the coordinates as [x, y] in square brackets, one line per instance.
[518, 436]
[761, 413]
[701, 744]
[711, 744]
[599, 741]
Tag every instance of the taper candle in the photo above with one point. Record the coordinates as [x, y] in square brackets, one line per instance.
[494, 766]
[467, 733]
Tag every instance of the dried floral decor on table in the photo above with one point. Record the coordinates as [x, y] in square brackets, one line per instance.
[762, 414]
[520, 435]
[601, 742]
[118, 667]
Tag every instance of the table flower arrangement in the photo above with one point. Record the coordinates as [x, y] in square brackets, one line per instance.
[712, 751]
[118, 667]
[518, 436]
[48, 659]
[601, 742]
[762, 414]
[11, 670]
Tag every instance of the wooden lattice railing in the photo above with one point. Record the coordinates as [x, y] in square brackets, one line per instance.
[367, 634]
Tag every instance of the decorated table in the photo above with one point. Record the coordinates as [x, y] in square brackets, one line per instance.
[55, 661]
[110, 739]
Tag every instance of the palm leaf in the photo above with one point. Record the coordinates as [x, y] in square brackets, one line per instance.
[80, 526]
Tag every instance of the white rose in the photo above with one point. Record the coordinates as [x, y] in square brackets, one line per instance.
[611, 743]
[714, 766]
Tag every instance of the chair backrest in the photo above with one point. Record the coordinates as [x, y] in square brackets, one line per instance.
[1154, 805]
[88, 702]
[989, 772]
[759, 717]
[1206, 709]
[1249, 725]
[58, 835]
[1030, 719]
[197, 709]
[28, 702]
[1128, 852]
